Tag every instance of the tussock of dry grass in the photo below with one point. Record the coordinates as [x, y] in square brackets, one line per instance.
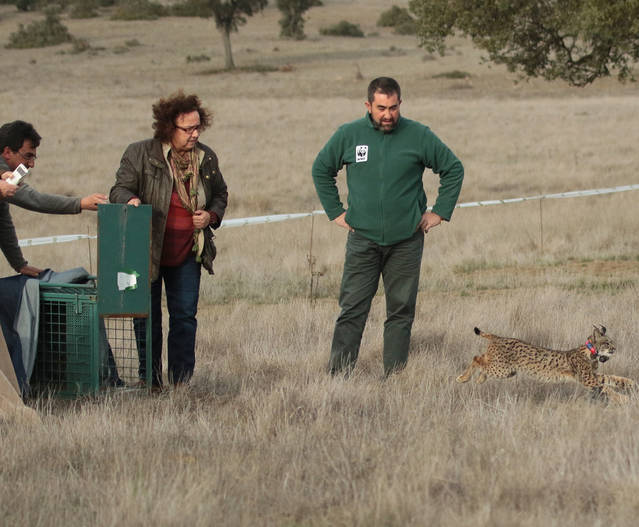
[263, 436]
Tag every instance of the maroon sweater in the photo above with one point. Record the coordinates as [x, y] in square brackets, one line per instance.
[178, 233]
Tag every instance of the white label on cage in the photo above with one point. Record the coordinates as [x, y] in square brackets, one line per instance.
[127, 281]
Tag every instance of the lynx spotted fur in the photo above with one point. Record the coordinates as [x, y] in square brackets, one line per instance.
[506, 357]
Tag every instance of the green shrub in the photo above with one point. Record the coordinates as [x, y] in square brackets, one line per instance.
[84, 9]
[343, 29]
[30, 5]
[59, 5]
[454, 74]
[197, 58]
[406, 28]
[26, 5]
[191, 8]
[80, 45]
[399, 19]
[138, 10]
[393, 17]
[41, 33]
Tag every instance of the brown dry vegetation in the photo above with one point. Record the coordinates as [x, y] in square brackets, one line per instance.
[263, 436]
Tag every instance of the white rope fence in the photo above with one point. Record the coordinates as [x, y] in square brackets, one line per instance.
[274, 218]
[560, 195]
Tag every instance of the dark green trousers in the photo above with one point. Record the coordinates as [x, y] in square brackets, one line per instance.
[365, 262]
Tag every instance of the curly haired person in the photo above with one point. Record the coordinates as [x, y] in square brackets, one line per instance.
[180, 178]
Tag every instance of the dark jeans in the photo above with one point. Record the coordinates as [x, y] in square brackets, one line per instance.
[365, 261]
[182, 287]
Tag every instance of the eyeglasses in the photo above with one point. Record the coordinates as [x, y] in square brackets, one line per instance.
[190, 129]
[29, 156]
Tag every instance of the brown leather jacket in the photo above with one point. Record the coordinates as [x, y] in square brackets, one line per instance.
[144, 174]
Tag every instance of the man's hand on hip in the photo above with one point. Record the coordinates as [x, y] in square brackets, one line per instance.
[429, 220]
[341, 221]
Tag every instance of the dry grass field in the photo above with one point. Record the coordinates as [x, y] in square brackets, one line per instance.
[263, 436]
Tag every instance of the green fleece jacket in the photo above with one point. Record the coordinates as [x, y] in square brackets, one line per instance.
[386, 197]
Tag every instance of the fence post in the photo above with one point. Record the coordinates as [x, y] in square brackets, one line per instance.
[315, 275]
[311, 259]
[541, 226]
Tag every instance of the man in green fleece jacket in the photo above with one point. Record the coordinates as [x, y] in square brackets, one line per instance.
[385, 157]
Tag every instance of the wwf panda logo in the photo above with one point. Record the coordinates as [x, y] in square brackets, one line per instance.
[361, 153]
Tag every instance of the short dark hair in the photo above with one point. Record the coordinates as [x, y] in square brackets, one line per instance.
[167, 110]
[15, 133]
[384, 85]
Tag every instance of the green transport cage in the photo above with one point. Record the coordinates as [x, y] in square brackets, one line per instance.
[87, 341]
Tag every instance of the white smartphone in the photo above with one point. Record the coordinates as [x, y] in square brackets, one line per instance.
[18, 174]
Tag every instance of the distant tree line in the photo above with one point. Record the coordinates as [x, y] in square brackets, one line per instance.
[577, 41]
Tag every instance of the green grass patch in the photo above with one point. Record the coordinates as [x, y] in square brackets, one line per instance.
[472, 266]
[255, 68]
[600, 286]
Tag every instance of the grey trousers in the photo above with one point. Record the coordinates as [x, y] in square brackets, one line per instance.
[365, 262]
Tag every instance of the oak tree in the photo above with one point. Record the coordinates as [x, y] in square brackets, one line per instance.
[229, 15]
[292, 21]
[577, 41]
